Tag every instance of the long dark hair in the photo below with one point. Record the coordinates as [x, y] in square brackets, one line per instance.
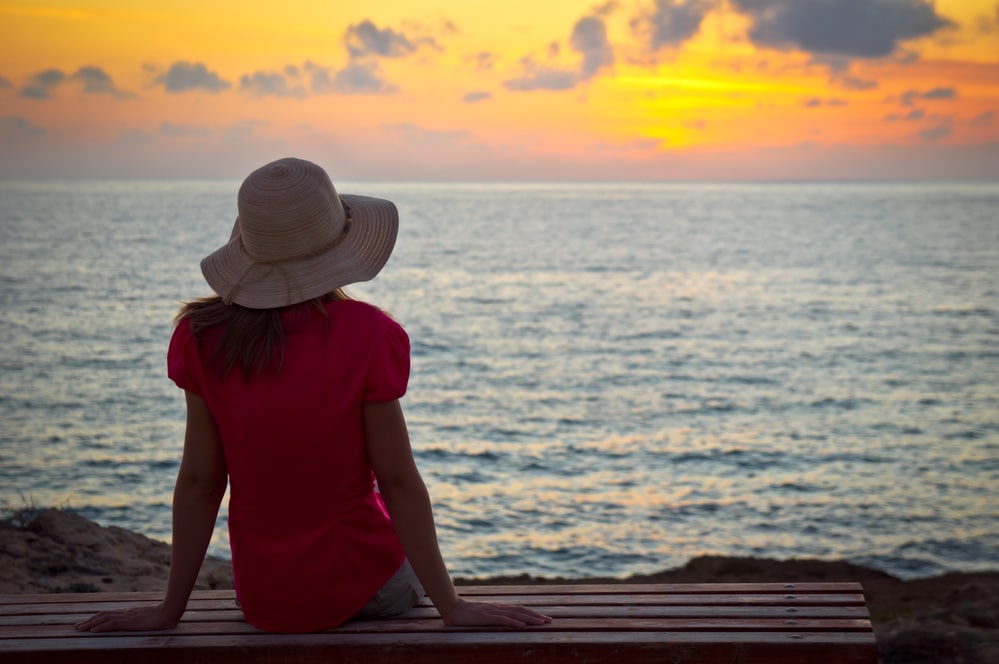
[252, 337]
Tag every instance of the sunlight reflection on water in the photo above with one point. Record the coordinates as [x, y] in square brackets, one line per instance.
[607, 379]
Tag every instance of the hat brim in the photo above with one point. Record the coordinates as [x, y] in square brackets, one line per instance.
[236, 277]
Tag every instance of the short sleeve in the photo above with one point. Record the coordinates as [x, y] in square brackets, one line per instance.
[183, 362]
[388, 371]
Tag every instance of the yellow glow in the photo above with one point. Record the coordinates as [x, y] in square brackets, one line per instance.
[449, 96]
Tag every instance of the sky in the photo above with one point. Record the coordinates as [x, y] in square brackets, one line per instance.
[516, 90]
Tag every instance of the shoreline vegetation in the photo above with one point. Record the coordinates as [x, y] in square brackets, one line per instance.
[951, 618]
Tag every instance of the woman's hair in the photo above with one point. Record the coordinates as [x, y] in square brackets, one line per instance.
[252, 337]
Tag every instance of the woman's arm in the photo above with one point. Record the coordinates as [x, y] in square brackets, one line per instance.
[201, 483]
[408, 503]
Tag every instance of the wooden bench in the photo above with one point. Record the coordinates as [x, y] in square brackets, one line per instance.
[770, 623]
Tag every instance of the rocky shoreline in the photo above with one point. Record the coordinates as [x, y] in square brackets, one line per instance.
[952, 618]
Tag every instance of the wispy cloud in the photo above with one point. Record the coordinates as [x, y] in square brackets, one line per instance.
[96, 81]
[272, 84]
[40, 85]
[910, 97]
[185, 76]
[984, 119]
[937, 133]
[476, 96]
[16, 127]
[184, 131]
[817, 102]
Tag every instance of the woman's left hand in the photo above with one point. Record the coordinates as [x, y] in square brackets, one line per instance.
[141, 618]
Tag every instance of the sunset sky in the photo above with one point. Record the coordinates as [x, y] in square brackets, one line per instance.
[513, 90]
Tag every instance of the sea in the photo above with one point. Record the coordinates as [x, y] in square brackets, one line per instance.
[607, 378]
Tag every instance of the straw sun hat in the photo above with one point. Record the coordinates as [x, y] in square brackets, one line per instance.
[295, 238]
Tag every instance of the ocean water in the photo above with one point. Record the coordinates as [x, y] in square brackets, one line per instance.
[607, 378]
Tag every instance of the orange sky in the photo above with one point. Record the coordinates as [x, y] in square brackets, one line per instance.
[514, 90]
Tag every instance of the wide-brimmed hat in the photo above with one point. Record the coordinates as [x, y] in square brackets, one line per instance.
[296, 239]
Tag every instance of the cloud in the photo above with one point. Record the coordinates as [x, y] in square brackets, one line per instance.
[937, 133]
[184, 131]
[816, 102]
[427, 138]
[96, 81]
[983, 119]
[185, 76]
[40, 85]
[15, 127]
[355, 78]
[853, 83]
[271, 84]
[909, 97]
[483, 60]
[589, 38]
[5, 84]
[540, 77]
[672, 22]
[912, 116]
[851, 28]
[365, 38]
[476, 96]
[135, 137]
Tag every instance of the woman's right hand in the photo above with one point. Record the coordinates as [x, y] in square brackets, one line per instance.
[138, 619]
[469, 613]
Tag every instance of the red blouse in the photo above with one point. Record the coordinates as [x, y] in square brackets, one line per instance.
[311, 539]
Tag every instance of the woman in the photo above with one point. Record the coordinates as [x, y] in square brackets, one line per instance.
[292, 396]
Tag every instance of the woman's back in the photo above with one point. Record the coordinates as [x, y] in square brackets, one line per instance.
[302, 511]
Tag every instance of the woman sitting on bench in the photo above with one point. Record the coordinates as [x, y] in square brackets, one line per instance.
[292, 396]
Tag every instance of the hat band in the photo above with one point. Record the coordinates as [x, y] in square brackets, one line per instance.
[278, 264]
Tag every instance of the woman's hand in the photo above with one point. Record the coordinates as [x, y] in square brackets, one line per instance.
[491, 613]
[141, 618]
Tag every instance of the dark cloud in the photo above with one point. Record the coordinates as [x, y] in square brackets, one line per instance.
[41, 84]
[851, 28]
[270, 84]
[589, 38]
[96, 81]
[15, 126]
[185, 76]
[983, 119]
[672, 22]
[476, 96]
[910, 97]
[5, 84]
[366, 38]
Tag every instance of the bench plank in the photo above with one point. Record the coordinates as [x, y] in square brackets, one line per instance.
[692, 623]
